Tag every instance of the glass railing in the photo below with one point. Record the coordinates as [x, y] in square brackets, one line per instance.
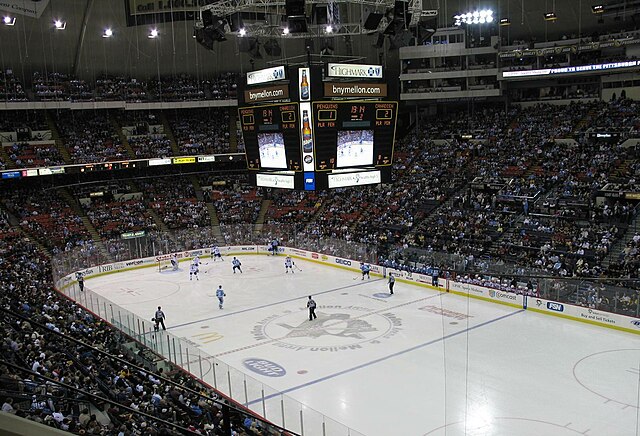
[269, 403]
[619, 295]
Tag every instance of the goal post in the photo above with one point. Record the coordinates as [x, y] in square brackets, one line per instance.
[165, 265]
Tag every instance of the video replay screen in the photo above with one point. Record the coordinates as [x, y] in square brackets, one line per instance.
[355, 148]
[271, 148]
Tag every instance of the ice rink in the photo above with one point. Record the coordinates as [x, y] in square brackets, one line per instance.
[415, 363]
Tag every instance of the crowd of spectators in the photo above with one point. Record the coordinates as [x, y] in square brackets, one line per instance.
[55, 86]
[89, 136]
[115, 213]
[35, 154]
[46, 216]
[60, 87]
[10, 121]
[176, 203]
[201, 131]
[11, 88]
[65, 368]
[236, 201]
[150, 146]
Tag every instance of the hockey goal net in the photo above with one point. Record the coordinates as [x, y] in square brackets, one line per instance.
[165, 265]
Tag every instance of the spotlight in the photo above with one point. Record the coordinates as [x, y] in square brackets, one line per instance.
[550, 16]
[242, 32]
[505, 22]
[285, 31]
[153, 33]
[597, 9]
[108, 33]
[328, 29]
[483, 16]
[60, 25]
[9, 21]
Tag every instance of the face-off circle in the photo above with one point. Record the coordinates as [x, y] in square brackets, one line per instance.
[609, 373]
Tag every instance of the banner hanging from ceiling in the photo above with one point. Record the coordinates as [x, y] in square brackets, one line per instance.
[29, 8]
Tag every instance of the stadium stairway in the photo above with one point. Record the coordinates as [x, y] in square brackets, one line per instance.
[123, 139]
[4, 157]
[15, 223]
[619, 244]
[264, 207]
[95, 236]
[215, 222]
[498, 242]
[233, 130]
[169, 133]
[213, 216]
[157, 219]
[580, 125]
[55, 135]
[196, 187]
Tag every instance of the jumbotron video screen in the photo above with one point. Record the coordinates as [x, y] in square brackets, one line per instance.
[354, 134]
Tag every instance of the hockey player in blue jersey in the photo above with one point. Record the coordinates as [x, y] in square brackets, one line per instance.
[220, 294]
[365, 268]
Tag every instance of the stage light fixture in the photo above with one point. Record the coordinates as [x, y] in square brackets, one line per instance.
[482, 16]
[242, 32]
[108, 33]
[9, 21]
[60, 25]
[597, 9]
[285, 31]
[550, 16]
[153, 34]
[505, 22]
[328, 29]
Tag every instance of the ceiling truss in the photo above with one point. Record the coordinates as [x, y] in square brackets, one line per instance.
[276, 9]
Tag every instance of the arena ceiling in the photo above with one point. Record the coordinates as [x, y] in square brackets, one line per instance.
[33, 44]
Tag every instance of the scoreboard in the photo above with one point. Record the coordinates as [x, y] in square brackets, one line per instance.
[308, 128]
[353, 134]
[272, 136]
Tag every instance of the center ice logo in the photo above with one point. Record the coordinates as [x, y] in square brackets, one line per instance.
[338, 328]
[338, 324]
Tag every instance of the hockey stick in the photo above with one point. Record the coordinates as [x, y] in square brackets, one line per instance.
[297, 267]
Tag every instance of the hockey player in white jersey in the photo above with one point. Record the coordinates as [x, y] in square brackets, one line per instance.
[174, 262]
[196, 260]
[215, 253]
[236, 265]
[288, 265]
[193, 271]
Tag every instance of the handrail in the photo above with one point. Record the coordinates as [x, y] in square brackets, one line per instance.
[138, 368]
[97, 397]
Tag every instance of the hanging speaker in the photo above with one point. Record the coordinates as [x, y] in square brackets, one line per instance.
[207, 18]
[235, 22]
[294, 7]
[373, 20]
[272, 48]
[379, 41]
